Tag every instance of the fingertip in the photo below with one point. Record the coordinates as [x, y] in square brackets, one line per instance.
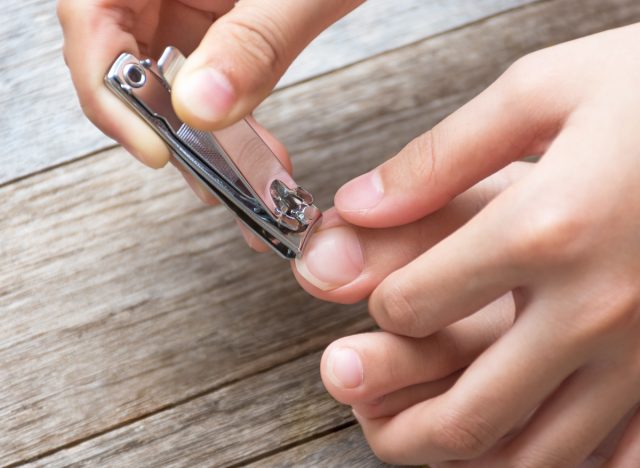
[361, 194]
[356, 201]
[149, 150]
[342, 371]
[203, 97]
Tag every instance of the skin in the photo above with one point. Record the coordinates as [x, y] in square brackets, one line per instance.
[561, 240]
[510, 306]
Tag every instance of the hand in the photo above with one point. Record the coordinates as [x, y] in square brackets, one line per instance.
[564, 239]
[391, 373]
[239, 54]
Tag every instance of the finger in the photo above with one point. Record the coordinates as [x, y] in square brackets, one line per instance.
[509, 244]
[510, 119]
[95, 34]
[576, 419]
[183, 23]
[504, 385]
[597, 459]
[365, 367]
[400, 400]
[627, 452]
[343, 263]
[244, 54]
[459, 275]
[97, 31]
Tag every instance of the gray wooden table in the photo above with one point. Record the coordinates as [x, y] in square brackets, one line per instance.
[135, 328]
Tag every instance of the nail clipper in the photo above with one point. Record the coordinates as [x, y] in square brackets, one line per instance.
[234, 164]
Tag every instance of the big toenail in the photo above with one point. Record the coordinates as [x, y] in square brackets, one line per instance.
[345, 368]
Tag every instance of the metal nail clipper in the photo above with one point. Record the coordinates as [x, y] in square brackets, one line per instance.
[234, 164]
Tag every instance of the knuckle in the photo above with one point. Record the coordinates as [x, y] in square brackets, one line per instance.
[549, 235]
[419, 160]
[394, 312]
[259, 37]
[420, 157]
[524, 78]
[463, 436]
[615, 313]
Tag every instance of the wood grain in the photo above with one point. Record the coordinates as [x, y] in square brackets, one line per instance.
[381, 25]
[123, 295]
[344, 447]
[41, 124]
[272, 409]
[122, 299]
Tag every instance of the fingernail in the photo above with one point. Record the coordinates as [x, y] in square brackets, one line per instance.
[207, 94]
[362, 193]
[333, 258]
[345, 368]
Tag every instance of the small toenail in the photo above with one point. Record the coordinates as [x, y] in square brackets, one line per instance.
[345, 368]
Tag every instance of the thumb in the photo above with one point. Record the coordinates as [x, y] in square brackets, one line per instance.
[244, 54]
[511, 119]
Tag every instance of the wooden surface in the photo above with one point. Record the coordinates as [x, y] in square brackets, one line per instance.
[136, 328]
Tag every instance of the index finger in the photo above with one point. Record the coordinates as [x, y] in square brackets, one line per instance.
[95, 33]
[456, 277]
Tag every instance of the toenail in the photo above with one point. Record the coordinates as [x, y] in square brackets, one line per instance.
[345, 368]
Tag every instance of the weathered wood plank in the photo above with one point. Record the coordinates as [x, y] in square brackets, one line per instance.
[381, 25]
[121, 297]
[345, 447]
[256, 415]
[41, 124]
